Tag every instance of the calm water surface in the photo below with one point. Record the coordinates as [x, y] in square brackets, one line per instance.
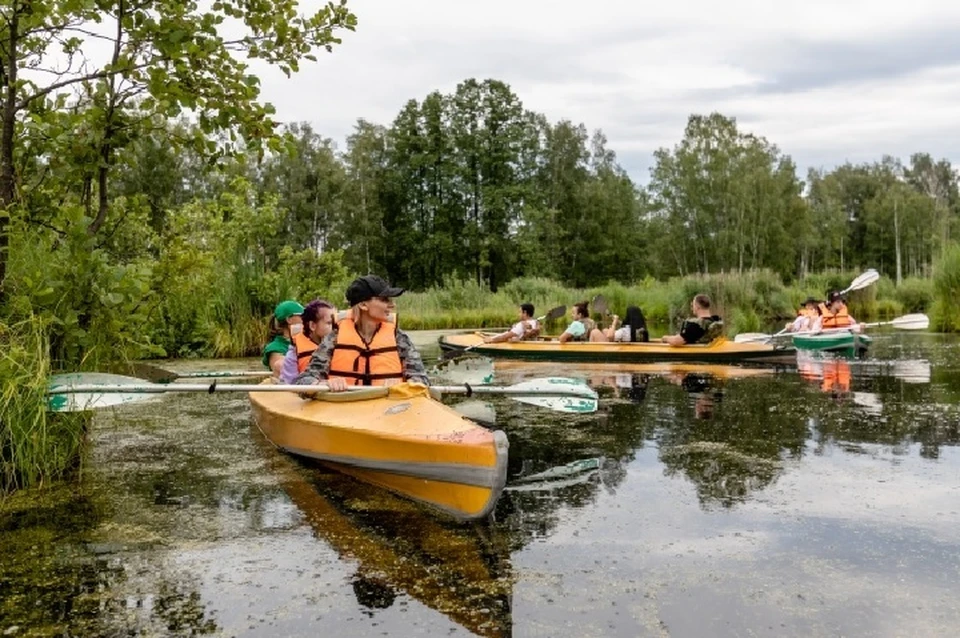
[817, 499]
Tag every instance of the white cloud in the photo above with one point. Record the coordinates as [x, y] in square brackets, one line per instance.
[825, 81]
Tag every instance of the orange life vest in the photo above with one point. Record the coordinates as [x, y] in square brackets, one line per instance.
[305, 349]
[834, 320]
[361, 363]
[836, 377]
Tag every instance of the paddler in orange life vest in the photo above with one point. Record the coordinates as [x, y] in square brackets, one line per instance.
[806, 317]
[366, 348]
[833, 314]
[319, 319]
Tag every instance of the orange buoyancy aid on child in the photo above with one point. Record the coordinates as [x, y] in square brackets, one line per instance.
[361, 363]
[834, 320]
[305, 349]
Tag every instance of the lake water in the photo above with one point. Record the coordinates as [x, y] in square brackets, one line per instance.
[817, 499]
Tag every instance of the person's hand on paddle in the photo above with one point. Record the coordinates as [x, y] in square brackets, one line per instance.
[337, 384]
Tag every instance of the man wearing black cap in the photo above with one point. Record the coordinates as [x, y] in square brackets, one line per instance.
[366, 348]
[833, 314]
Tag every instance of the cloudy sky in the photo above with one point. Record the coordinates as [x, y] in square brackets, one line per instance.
[826, 80]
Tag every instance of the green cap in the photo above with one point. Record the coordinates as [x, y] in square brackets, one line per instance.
[287, 309]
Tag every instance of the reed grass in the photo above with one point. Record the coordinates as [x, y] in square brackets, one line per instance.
[36, 446]
[946, 290]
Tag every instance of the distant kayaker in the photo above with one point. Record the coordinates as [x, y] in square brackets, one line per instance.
[582, 328]
[319, 319]
[285, 324]
[834, 314]
[806, 317]
[366, 348]
[633, 328]
[527, 328]
[702, 327]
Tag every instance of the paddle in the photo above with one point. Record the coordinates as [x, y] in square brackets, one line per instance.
[98, 390]
[554, 313]
[916, 321]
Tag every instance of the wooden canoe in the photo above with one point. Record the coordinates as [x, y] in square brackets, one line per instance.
[718, 351]
[398, 438]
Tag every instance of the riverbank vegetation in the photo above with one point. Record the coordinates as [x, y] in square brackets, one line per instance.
[150, 204]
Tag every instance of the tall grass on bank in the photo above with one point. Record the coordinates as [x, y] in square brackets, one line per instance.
[36, 446]
[747, 301]
[946, 287]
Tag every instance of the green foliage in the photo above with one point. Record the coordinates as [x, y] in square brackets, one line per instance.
[915, 294]
[36, 446]
[946, 288]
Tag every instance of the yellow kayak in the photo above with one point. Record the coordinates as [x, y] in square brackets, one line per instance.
[718, 351]
[398, 438]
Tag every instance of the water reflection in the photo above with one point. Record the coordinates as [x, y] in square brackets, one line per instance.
[462, 571]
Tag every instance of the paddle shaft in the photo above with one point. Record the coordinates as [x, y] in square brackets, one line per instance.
[159, 388]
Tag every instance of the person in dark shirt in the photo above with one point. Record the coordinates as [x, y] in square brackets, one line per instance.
[702, 327]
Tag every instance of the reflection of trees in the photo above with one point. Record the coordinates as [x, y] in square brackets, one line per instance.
[55, 581]
[729, 439]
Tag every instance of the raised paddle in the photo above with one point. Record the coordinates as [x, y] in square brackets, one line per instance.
[89, 391]
[916, 321]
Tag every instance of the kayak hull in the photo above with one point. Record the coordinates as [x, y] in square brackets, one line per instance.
[833, 342]
[719, 351]
[406, 442]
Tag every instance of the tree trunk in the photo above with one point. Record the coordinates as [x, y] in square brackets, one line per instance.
[7, 187]
[896, 241]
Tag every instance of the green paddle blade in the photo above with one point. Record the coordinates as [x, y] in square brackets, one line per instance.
[600, 305]
[554, 313]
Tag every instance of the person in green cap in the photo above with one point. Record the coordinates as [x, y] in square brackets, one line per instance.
[284, 324]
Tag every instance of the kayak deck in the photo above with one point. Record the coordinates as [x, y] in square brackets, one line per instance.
[718, 351]
[399, 439]
[833, 342]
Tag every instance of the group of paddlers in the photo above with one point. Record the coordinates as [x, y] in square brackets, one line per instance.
[702, 327]
[815, 315]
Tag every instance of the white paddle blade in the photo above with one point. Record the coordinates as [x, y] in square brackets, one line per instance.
[751, 337]
[91, 400]
[577, 405]
[911, 322]
[864, 280]
[556, 386]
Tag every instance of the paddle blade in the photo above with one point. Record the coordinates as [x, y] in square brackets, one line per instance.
[911, 322]
[861, 282]
[555, 313]
[751, 337]
[555, 386]
[577, 405]
[472, 370]
[600, 304]
[92, 400]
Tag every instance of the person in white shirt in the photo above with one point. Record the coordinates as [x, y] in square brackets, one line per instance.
[634, 328]
[526, 328]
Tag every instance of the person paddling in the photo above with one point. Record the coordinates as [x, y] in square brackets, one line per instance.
[319, 319]
[806, 317]
[834, 314]
[527, 328]
[582, 328]
[366, 348]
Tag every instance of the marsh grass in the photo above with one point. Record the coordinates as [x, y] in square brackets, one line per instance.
[36, 446]
[946, 292]
[748, 301]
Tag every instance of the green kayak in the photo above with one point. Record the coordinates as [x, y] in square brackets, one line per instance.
[833, 342]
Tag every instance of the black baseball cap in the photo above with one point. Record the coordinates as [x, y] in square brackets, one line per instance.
[369, 286]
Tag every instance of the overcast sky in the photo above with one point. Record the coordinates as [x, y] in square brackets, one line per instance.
[825, 80]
